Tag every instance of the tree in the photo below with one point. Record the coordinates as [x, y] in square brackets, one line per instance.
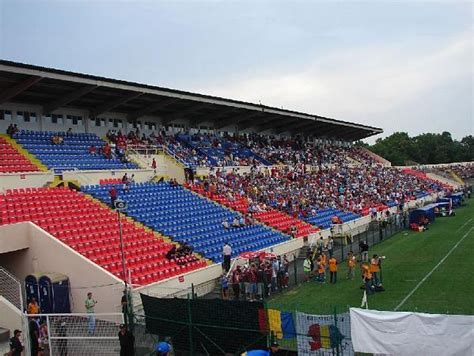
[428, 148]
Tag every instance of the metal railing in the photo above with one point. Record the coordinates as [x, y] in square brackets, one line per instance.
[10, 288]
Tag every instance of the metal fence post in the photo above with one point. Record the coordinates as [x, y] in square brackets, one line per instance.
[335, 324]
[49, 339]
[190, 328]
[295, 268]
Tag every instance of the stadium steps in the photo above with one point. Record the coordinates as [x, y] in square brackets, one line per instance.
[91, 229]
[22, 153]
[456, 177]
[376, 157]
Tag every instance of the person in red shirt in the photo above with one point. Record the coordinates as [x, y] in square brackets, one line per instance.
[113, 193]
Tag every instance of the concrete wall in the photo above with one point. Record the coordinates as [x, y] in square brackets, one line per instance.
[47, 254]
[24, 180]
[10, 316]
[14, 237]
[93, 177]
[174, 169]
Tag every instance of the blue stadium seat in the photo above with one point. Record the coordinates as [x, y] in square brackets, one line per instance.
[72, 153]
[188, 218]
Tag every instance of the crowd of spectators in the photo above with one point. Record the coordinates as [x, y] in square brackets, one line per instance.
[463, 171]
[301, 193]
[258, 279]
[211, 150]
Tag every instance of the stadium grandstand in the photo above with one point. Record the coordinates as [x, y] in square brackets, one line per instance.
[120, 185]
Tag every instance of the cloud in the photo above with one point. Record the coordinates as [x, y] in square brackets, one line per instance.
[368, 85]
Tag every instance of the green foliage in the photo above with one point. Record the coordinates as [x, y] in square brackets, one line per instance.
[427, 148]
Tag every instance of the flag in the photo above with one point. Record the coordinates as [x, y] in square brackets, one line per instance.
[321, 334]
[281, 324]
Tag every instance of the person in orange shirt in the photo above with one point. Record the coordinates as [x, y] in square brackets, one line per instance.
[367, 278]
[321, 269]
[33, 307]
[332, 270]
[351, 262]
[375, 269]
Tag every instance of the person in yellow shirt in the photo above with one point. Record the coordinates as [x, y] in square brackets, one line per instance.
[375, 269]
[321, 270]
[367, 278]
[332, 270]
[351, 262]
[33, 307]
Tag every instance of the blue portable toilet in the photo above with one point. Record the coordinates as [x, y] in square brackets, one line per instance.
[32, 288]
[54, 293]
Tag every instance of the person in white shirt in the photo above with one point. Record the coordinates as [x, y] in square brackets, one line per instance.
[225, 224]
[227, 253]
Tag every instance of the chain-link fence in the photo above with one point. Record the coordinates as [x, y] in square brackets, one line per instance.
[73, 334]
[10, 288]
[217, 327]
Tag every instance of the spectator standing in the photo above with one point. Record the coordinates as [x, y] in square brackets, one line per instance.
[275, 271]
[307, 267]
[374, 269]
[330, 246]
[224, 286]
[227, 253]
[321, 270]
[367, 278]
[332, 270]
[16, 347]
[34, 336]
[90, 303]
[113, 193]
[320, 245]
[127, 341]
[351, 262]
[364, 251]
[33, 307]
[235, 280]
[124, 303]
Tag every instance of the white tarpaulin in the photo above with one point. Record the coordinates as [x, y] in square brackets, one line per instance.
[404, 333]
[323, 334]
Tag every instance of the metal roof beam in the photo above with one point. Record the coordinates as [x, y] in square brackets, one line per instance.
[108, 106]
[271, 123]
[150, 109]
[190, 110]
[67, 98]
[207, 118]
[18, 88]
[249, 120]
[284, 126]
[231, 120]
[294, 128]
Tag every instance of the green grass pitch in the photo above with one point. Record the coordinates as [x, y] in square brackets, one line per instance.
[410, 257]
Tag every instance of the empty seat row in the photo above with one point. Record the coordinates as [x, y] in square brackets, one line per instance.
[189, 218]
[93, 231]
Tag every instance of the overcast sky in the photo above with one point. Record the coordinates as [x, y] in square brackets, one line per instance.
[398, 65]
